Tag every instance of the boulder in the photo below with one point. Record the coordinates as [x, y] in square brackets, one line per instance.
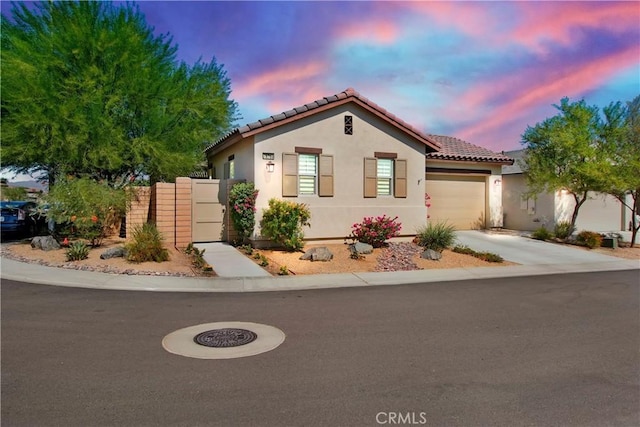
[317, 254]
[117, 252]
[361, 248]
[46, 243]
[431, 254]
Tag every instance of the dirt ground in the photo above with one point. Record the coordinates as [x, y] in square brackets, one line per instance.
[179, 264]
[403, 256]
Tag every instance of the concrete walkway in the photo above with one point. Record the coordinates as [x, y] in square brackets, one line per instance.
[228, 262]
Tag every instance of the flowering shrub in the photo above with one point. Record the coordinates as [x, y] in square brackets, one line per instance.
[376, 231]
[283, 223]
[242, 200]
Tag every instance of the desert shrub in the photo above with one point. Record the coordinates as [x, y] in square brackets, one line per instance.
[197, 257]
[542, 234]
[147, 245]
[282, 223]
[437, 237]
[77, 251]
[563, 230]
[589, 239]
[376, 231]
[485, 256]
[463, 249]
[263, 261]
[86, 208]
[242, 202]
[284, 271]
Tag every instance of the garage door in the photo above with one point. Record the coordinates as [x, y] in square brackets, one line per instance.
[458, 200]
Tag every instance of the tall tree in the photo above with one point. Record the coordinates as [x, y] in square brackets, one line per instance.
[562, 152]
[89, 90]
[620, 175]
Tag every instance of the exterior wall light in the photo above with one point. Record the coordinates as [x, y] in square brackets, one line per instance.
[270, 167]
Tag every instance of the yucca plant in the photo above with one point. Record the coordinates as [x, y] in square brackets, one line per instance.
[77, 251]
[437, 237]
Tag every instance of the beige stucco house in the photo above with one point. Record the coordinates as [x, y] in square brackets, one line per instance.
[347, 158]
[601, 212]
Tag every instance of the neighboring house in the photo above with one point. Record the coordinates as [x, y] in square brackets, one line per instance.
[348, 158]
[601, 212]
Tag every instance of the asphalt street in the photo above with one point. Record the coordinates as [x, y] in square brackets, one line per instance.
[537, 351]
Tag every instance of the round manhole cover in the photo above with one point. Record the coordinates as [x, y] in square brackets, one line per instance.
[223, 338]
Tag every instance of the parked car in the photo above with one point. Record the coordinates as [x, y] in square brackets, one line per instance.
[20, 217]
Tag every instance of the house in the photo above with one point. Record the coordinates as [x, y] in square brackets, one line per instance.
[347, 158]
[601, 212]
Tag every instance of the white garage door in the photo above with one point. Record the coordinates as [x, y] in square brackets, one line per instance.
[458, 200]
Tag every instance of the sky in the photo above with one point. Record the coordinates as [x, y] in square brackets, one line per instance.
[480, 71]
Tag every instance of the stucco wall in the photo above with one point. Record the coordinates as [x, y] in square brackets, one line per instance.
[601, 212]
[521, 213]
[332, 217]
[243, 159]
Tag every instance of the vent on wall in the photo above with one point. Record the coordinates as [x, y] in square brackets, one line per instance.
[348, 125]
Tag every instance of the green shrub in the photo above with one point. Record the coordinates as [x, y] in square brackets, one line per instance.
[86, 208]
[376, 231]
[437, 237]
[282, 223]
[242, 202]
[563, 230]
[485, 256]
[147, 245]
[263, 261]
[77, 251]
[284, 271]
[589, 239]
[463, 249]
[542, 234]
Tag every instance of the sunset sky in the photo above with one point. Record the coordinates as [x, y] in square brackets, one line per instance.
[480, 71]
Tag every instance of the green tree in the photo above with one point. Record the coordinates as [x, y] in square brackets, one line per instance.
[562, 152]
[620, 175]
[89, 90]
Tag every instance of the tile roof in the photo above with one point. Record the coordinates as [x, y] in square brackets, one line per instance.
[345, 96]
[457, 149]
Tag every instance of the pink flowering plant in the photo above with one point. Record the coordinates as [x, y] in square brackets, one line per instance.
[242, 200]
[376, 231]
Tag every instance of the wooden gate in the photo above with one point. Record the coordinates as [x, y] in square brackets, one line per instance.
[207, 210]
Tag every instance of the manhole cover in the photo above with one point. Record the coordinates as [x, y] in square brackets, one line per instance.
[223, 338]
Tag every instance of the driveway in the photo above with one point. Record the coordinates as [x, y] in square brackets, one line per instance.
[528, 251]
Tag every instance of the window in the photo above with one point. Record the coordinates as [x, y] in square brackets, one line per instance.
[307, 172]
[385, 176]
[230, 167]
[229, 170]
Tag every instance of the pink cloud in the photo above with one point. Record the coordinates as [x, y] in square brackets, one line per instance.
[556, 21]
[573, 82]
[383, 32]
[285, 79]
[469, 18]
[283, 88]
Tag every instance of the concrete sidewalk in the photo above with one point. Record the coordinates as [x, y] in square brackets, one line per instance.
[229, 262]
[32, 273]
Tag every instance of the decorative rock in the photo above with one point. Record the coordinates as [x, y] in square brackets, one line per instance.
[317, 254]
[431, 254]
[117, 252]
[46, 243]
[361, 248]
